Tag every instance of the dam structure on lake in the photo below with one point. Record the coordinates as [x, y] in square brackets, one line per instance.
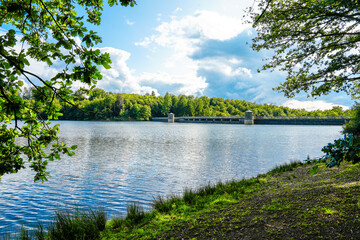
[250, 119]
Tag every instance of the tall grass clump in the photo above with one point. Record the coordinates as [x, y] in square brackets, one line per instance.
[165, 204]
[77, 224]
[201, 197]
[135, 213]
[134, 217]
[189, 196]
[286, 167]
[207, 190]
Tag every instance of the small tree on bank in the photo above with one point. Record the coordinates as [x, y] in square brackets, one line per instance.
[43, 31]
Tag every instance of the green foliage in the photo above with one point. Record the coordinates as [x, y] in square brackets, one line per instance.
[116, 224]
[203, 196]
[77, 224]
[353, 126]
[348, 148]
[70, 225]
[165, 205]
[46, 31]
[342, 150]
[286, 167]
[135, 213]
[315, 42]
[134, 217]
[115, 106]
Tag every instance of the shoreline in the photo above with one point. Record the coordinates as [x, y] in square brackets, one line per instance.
[288, 202]
[291, 201]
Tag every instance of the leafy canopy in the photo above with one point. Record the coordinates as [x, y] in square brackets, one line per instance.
[315, 41]
[43, 31]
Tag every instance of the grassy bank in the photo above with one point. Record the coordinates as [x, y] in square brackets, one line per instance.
[289, 202]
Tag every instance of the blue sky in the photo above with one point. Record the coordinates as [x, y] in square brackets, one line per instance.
[191, 47]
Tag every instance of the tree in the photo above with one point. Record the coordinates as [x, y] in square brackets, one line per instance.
[166, 106]
[181, 106]
[97, 93]
[145, 113]
[315, 42]
[43, 31]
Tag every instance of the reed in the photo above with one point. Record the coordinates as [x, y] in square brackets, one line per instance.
[77, 224]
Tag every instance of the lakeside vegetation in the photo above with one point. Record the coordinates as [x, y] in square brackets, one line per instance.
[102, 105]
[309, 43]
[289, 202]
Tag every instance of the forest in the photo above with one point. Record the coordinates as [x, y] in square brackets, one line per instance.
[102, 105]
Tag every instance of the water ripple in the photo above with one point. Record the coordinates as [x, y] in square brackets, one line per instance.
[120, 162]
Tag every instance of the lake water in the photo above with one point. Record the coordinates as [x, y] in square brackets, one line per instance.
[120, 162]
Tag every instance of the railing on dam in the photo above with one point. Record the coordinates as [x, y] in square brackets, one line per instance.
[235, 119]
[249, 119]
[232, 119]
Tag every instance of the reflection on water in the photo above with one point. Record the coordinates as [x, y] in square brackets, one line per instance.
[120, 162]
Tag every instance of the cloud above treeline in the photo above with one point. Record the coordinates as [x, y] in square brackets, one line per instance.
[210, 55]
[207, 54]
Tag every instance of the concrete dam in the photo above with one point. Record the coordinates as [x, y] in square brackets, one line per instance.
[250, 119]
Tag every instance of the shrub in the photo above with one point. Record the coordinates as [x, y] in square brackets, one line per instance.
[342, 149]
[353, 126]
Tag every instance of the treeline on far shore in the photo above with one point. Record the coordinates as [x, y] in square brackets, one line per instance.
[102, 105]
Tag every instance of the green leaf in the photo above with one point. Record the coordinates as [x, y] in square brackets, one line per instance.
[106, 65]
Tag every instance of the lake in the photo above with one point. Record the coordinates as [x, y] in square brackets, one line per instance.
[120, 162]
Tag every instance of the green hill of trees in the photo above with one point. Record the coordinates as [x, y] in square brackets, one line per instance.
[102, 105]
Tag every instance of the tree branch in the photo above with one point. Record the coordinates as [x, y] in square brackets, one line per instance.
[263, 12]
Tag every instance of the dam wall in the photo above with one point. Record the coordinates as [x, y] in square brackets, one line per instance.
[258, 120]
[301, 121]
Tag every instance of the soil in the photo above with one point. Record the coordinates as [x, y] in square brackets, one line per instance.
[290, 205]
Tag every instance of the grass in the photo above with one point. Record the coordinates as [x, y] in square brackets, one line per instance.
[74, 224]
[286, 167]
[78, 224]
[288, 202]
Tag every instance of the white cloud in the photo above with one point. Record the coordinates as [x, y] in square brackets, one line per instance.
[191, 86]
[128, 22]
[228, 67]
[178, 10]
[159, 15]
[120, 78]
[182, 36]
[208, 55]
[311, 105]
